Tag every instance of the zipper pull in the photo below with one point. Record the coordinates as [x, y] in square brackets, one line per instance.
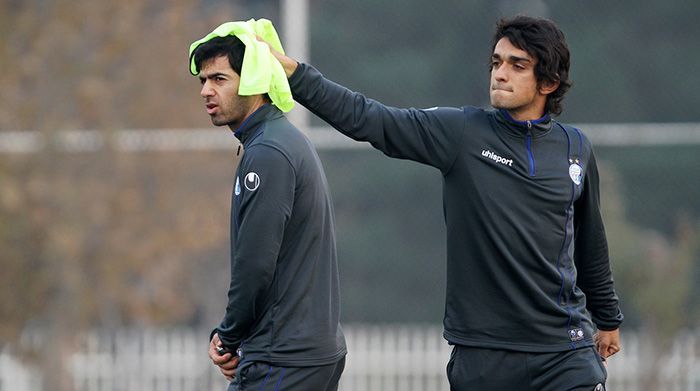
[529, 125]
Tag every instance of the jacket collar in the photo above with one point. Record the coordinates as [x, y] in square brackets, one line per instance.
[264, 113]
[536, 127]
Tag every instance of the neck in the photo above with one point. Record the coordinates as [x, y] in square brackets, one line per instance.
[523, 116]
[533, 118]
[257, 104]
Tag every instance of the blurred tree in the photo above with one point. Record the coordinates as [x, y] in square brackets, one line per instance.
[126, 239]
[25, 280]
[103, 65]
[110, 240]
[653, 276]
[673, 194]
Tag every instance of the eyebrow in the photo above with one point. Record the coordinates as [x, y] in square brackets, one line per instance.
[511, 58]
[213, 75]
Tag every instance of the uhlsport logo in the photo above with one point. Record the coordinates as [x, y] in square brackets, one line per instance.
[490, 155]
[252, 181]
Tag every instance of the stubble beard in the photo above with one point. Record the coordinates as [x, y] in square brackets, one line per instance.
[218, 122]
[233, 118]
[500, 104]
[511, 104]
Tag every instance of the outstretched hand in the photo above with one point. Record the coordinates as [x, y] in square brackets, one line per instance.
[289, 64]
[607, 343]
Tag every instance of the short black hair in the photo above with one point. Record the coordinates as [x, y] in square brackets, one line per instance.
[543, 40]
[229, 46]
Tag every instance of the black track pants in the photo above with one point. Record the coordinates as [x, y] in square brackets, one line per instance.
[260, 376]
[488, 369]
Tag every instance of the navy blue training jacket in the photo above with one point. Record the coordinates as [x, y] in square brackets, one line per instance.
[283, 299]
[527, 257]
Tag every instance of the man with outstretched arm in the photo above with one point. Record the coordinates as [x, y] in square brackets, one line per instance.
[530, 303]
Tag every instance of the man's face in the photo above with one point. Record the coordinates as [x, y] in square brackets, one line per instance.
[220, 93]
[513, 82]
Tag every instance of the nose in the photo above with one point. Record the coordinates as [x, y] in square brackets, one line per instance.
[206, 90]
[499, 73]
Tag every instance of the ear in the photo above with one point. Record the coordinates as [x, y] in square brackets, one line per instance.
[547, 87]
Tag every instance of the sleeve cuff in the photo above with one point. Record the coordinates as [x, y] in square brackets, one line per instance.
[297, 73]
[231, 345]
[610, 324]
[608, 328]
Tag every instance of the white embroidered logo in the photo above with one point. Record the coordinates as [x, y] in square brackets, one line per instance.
[490, 155]
[575, 172]
[576, 334]
[252, 181]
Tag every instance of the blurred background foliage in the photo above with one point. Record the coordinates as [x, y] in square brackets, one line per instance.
[116, 239]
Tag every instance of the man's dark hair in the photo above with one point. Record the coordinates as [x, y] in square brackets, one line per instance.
[229, 46]
[543, 40]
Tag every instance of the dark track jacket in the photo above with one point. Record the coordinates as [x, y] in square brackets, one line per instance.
[527, 257]
[283, 300]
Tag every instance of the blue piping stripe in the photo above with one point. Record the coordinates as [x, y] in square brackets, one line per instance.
[566, 230]
[561, 252]
[580, 151]
[566, 239]
[277, 387]
[580, 141]
[262, 386]
[529, 155]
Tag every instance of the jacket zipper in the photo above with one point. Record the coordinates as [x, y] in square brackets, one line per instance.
[528, 144]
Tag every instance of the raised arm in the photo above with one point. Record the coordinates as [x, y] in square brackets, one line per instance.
[430, 136]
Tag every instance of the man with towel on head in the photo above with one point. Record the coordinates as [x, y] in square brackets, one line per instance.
[281, 329]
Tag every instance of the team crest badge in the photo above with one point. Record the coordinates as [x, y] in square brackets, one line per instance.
[575, 172]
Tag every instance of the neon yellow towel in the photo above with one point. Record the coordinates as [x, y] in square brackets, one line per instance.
[261, 72]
